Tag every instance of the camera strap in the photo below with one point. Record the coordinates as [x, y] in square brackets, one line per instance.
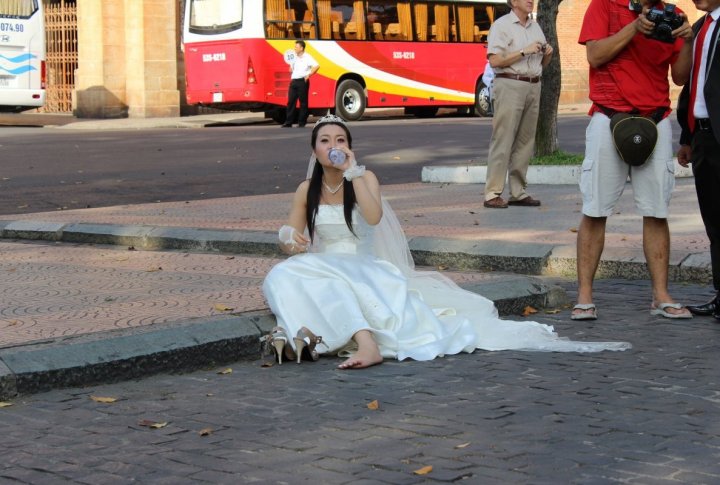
[657, 115]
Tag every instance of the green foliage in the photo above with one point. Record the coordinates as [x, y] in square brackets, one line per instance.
[558, 158]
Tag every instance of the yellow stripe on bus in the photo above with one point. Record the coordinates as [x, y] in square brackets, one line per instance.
[332, 70]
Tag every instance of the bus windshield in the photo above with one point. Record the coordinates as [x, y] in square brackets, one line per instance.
[215, 16]
[17, 9]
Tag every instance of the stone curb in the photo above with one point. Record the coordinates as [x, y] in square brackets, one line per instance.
[537, 174]
[104, 357]
[130, 353]
[485, 255]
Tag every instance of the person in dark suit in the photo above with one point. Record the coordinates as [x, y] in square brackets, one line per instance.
[699, 116]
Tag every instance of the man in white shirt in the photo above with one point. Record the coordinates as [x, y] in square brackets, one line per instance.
[301, 68]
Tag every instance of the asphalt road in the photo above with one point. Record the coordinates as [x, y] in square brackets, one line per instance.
[47, 169]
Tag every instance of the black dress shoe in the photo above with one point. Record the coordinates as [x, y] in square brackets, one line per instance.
[710, 308]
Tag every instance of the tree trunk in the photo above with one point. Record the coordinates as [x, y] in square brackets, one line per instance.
[546, 141]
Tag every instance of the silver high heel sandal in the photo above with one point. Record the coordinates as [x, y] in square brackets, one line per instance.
[277, 340]
[305, 343]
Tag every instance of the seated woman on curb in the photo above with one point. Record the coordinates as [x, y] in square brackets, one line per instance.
[351, 287]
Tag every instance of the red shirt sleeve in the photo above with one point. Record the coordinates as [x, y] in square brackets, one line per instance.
[596, 22]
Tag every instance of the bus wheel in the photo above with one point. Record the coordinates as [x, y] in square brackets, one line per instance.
[350, 100]
[483, 103]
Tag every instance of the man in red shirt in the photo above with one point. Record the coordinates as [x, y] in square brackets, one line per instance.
[628, 73]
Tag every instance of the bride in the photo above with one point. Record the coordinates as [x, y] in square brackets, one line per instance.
[351, 286]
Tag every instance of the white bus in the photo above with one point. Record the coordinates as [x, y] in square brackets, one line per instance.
[22, 55]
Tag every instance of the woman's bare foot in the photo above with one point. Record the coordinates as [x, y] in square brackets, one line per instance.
[367, 354]
[358, 361]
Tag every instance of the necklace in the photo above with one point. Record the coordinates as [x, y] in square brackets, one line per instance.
[330, 189]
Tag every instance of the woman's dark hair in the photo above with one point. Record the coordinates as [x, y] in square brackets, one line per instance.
[315, 188]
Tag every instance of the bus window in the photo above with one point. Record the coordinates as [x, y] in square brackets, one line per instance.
[215, 16]
[383, 17]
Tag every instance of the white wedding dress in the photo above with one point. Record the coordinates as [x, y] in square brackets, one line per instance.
[343, 288]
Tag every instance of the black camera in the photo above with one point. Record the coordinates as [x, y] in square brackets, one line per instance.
[665, 20]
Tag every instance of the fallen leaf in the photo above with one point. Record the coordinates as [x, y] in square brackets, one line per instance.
[396, 158]
[106, 400]
[222, 308]
[225, 371]
[205, 432]
[152, 269]
[152, 424]
[573, 229]
[528, 311]
[230, 257]
[13, 322]
[442, 267]
[373, 405]
[131, 248]
[4, 404]
[267, 364]
[423, 471]
[464, 445]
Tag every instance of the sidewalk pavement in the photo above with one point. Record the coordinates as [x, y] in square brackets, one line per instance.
[97, 295]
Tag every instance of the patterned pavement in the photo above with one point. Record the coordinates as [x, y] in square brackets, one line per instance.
[53, 290]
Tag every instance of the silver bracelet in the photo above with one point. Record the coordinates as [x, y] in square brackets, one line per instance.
[354, 172]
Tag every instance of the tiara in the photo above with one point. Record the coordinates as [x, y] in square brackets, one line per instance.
[330, 118]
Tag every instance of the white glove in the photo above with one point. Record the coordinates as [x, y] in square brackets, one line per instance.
[286, 234]
[354, 171]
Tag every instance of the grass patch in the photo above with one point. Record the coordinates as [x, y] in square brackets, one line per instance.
[558, 158]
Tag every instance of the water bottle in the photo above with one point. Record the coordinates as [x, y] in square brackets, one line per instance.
[337, 157]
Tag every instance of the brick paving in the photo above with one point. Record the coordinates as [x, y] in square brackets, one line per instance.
[648, 415]
[50, 291]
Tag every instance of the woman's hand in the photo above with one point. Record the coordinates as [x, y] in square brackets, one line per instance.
[292, 241]
[349, 158]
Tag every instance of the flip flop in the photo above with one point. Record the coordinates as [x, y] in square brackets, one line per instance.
[589, 312]
[660, 309]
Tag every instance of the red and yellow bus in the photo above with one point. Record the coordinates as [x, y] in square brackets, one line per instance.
[417, 54]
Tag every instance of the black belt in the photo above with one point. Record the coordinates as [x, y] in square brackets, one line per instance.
[703, 124]
[518, 77]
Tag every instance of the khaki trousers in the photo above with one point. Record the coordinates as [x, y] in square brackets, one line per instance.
[516, 105]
